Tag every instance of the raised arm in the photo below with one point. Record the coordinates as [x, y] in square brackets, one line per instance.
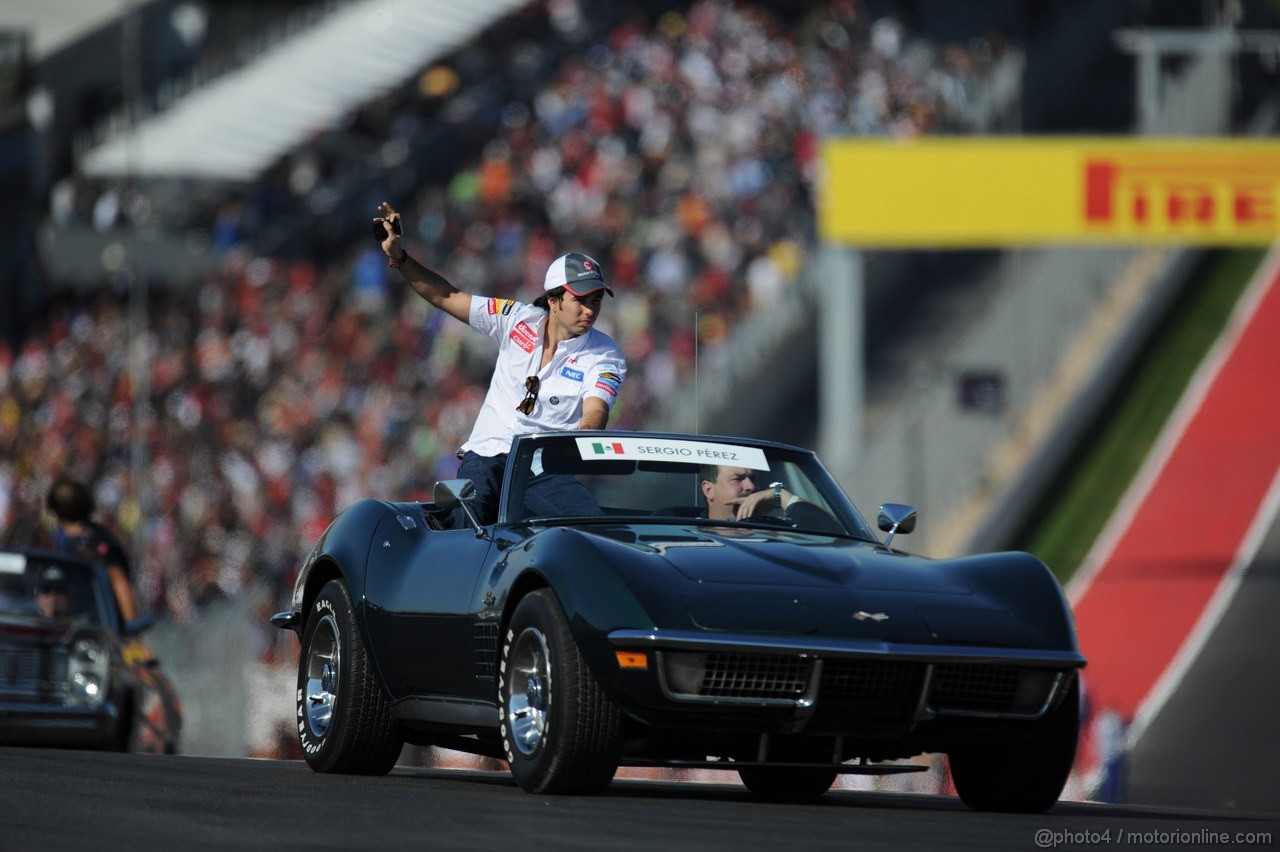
[427, 283]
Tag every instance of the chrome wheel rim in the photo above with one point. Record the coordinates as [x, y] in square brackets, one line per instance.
[324, 659]
[529, 696]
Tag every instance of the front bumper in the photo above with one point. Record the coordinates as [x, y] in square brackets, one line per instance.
[832, 687]
[26, 723]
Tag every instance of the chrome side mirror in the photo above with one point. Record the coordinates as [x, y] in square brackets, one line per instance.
[450, 494]
[896, 518]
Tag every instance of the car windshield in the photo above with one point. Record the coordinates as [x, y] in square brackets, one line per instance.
[48, 588]
[658, 477]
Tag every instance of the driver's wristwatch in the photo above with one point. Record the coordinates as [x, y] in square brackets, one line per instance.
[777, 493]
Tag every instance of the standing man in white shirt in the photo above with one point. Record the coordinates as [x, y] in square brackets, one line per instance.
[555, 371]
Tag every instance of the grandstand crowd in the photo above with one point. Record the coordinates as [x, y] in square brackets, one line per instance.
[678, 148]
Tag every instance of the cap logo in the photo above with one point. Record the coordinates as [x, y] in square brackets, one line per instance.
[588, 266]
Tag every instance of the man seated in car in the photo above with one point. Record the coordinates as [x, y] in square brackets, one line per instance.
[53, 595]
[733, 494]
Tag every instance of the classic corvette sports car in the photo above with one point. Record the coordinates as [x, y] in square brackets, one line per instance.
[70, 673]
[606, 620]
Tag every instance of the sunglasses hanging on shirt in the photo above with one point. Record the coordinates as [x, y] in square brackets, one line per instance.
[530, 395]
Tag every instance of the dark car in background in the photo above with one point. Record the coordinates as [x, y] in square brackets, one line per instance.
[71, 674]
[604, 620]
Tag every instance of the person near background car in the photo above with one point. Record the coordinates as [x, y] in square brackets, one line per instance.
[53, 595]
[76, 532]
[554, 371]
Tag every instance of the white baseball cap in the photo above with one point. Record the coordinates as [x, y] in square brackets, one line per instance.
[577, 273]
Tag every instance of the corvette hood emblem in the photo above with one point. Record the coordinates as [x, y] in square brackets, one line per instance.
[874, 616]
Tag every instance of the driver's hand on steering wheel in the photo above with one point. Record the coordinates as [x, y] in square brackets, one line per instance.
[750, 504]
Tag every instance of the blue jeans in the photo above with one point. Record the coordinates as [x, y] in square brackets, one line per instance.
[558, 495]
[545, 495]
[485, 472]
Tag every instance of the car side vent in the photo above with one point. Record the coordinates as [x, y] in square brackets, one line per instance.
[486, 645]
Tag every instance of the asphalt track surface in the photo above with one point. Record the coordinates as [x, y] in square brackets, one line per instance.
[77, 800]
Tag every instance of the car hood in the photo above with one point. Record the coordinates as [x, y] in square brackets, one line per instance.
[740, 556]
[785, 582]
[34, 629]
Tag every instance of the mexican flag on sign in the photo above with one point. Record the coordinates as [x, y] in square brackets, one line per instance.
[607, 449]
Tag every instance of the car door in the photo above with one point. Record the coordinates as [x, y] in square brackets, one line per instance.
[420, 599]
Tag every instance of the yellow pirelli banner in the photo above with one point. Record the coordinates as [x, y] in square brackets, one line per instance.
[1008, 191]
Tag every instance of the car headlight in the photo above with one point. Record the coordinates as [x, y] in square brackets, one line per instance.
[86, 687]
[88, 649]
[88, 669]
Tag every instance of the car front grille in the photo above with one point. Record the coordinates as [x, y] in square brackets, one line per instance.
[974, 687]
[867, 680]
[33, 673]
[855, 688]
[755, 676]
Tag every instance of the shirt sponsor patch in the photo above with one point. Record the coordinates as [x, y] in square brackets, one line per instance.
[524, 337]
[500, 306]
[609, 382]
[570, 373]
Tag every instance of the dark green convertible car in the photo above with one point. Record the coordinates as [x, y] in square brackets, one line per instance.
[652, 599]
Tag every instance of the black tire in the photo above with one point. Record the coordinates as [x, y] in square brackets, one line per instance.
[560, 732]
[344, 723]
[122, 734]
[1027, 777]
[787, 782]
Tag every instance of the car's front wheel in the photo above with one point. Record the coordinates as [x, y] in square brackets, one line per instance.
[1026, 777]
[561, 733]
[344, 724]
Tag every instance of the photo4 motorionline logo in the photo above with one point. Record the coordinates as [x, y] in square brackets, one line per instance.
[1053, 838]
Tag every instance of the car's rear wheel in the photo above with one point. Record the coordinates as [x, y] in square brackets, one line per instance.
[561, 733]
[787, 781]
[344, 724]
[1026, 777]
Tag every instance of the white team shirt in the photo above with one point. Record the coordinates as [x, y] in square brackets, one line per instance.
[589, 365]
